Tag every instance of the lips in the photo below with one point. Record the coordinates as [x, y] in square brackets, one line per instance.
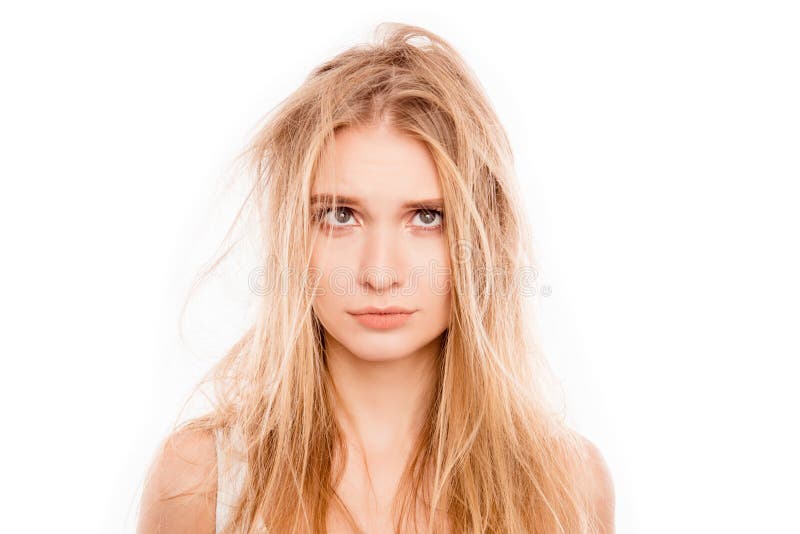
[382, 318]
[371, 310]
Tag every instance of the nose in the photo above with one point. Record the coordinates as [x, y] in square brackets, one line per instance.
[382, 263]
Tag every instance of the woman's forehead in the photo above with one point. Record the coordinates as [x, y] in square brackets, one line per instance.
[377, 163]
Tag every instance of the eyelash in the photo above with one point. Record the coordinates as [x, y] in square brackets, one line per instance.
[321, 213]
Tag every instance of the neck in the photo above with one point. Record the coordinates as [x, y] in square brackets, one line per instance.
[381, 405]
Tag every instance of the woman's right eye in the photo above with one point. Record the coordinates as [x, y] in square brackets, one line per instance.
[340, 216]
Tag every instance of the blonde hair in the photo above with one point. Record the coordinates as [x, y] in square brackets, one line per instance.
[493, 456]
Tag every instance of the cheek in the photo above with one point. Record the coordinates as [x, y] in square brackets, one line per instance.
[434, 284]
[334, 278]
[323, 261]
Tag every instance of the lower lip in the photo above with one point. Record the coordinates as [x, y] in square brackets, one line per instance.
[383, 320]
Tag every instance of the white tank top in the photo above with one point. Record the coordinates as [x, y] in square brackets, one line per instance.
[231, 465]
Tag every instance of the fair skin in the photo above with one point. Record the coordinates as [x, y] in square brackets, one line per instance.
[380, 249]
[184, 464]
[380, 252]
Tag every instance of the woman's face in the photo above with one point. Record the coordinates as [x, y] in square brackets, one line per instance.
[383, 245]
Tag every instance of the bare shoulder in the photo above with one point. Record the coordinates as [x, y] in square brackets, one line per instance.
[180, 490]
[601, 486]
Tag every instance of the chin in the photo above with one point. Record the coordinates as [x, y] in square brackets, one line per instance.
[382, 350]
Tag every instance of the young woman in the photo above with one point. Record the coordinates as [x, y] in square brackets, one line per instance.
[391, 382]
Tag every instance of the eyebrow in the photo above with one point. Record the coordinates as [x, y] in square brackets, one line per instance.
[327, 199]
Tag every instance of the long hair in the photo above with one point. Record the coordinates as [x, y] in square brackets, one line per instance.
[493, 455]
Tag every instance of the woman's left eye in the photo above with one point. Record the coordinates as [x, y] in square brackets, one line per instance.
[429, 219]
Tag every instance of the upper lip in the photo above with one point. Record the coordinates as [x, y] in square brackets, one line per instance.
[390, 309]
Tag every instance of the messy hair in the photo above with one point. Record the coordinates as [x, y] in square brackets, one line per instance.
[494, 454]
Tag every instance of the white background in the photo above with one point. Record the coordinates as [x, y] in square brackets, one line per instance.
[658, 144]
